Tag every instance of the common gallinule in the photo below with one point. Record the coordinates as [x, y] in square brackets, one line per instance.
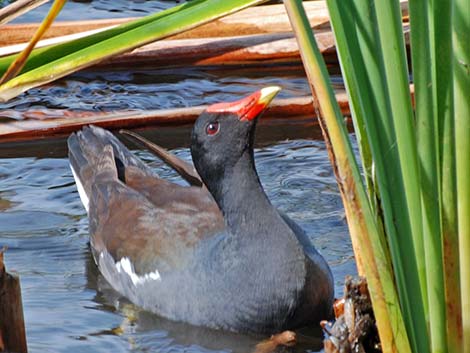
[237, 263]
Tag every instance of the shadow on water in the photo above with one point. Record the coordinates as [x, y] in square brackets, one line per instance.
[170, 137]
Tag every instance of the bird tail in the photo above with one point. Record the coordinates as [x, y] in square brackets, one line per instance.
[97, 153]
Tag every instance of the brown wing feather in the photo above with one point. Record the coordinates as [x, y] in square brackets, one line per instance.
[153, 222]
[132, 212]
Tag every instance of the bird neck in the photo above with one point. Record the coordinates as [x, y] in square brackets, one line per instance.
[242, 198]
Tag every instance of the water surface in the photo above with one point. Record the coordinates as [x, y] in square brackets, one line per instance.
[68, 305]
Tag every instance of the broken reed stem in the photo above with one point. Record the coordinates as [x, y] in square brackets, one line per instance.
[12, 330]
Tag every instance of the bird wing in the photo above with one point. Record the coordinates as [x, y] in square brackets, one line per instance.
[134, 215]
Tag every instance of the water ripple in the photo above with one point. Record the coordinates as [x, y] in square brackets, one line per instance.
[157, 89]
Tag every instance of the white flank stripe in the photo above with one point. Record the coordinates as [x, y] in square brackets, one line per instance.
[125, 266]
[81, 190]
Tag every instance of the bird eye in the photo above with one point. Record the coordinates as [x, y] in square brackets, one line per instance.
[212, 128]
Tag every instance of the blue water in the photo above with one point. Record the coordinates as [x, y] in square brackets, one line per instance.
[92, 9]
[68, 306]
